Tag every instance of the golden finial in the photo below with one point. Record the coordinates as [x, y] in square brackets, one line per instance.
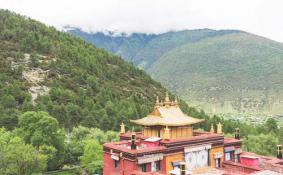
[219, 128]
[166, 133]
[176, 101]
[161, 103]
[212, 128]
[122, 130]
[157, 103]
[167, 100]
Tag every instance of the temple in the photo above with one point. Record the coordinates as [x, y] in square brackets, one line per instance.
[169, 145]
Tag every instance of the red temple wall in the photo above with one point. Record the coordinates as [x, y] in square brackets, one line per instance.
[125, 167]
[249, 161]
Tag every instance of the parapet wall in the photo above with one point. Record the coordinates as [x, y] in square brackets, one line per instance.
[237, 167]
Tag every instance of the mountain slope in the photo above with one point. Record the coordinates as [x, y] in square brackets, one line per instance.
[232, 73]
[144, 49]
[221, 71]
[161, 44]
[122, 45]
[44, 69]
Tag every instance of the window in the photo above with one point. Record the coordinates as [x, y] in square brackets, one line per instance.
[143, 167]
[158, 166]
[116, 163]
[217, 162]
[153, 167]
[236, 158]
[228, 156]
[175, 165]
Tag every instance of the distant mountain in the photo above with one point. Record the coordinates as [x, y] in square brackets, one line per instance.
[42, 69]
[221, 71]
[125, 46]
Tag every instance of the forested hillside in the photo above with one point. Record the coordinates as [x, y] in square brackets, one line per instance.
[43, 69]
[220, 71]
[61, 97]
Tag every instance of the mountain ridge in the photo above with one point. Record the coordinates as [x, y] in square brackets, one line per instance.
[217, 59]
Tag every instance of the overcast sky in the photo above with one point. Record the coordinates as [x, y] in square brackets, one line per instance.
[262, 17]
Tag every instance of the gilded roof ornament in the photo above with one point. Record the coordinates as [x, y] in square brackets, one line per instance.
[157, 103]
[167, 100]
[212, 128]
[176, 103]
[122, 130]
[219, 128]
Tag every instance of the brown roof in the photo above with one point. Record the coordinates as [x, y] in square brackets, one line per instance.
[167, 116]
[231, 141]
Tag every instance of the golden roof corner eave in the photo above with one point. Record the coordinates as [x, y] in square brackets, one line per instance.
[166, 124]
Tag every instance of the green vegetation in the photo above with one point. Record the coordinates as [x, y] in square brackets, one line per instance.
[261, 139]
[81, 84]
[18, 157]
[125, 46]
[38, 145]
[43, 132]
[230, 73]
[220, 71]
[61, 97]
[91, 160]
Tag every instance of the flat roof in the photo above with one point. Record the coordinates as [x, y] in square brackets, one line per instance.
[231, 141]
[122, 146]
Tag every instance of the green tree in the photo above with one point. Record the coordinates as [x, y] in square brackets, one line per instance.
[280, 135]
[271, 125]
[38, 129]
[261, 144]
[91, 160]
[75, 141]
[18, 157]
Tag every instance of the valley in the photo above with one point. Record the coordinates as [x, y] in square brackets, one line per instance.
[220, 71]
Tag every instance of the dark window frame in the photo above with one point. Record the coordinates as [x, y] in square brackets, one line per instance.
[116, 163]
[158, 165]
[143, 167]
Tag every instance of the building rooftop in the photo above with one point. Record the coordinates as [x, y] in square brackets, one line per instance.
[167, 114]
[144, 144]
[231, 141]
[168, 142]
[142, 147]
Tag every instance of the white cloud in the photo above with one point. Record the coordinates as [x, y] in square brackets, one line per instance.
[261, 17]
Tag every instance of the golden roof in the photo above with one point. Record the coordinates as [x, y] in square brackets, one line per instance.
[167, 115]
